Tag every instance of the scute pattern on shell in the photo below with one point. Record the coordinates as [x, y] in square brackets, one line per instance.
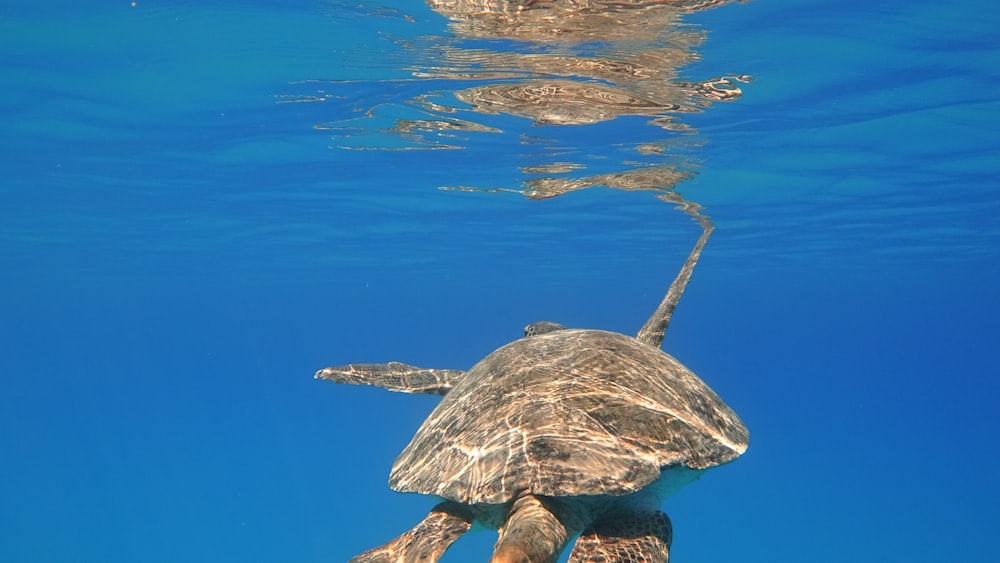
[571, 412]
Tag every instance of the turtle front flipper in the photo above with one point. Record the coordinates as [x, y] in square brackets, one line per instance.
[656, 326]
[427, 541]
[394, 376]
[625, 537]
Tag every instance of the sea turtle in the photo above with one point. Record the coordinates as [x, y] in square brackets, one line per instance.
[562, 432]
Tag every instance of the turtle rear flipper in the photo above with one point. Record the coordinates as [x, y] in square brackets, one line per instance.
[629, 537]
[427, 541]
[394, 376]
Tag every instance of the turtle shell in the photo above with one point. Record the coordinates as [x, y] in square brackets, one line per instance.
[567, 413]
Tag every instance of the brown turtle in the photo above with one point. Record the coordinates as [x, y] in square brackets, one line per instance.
[559, 433]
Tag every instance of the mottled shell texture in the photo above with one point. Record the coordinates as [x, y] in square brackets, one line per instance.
[570, 412]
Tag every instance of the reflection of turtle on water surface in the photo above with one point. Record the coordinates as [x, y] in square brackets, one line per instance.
[562, 432]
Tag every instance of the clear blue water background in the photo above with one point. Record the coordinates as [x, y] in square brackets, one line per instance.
[179, 252]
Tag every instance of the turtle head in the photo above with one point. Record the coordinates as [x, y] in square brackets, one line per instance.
[541, 327]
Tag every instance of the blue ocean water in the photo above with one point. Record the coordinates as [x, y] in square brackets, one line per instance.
[203, 203]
